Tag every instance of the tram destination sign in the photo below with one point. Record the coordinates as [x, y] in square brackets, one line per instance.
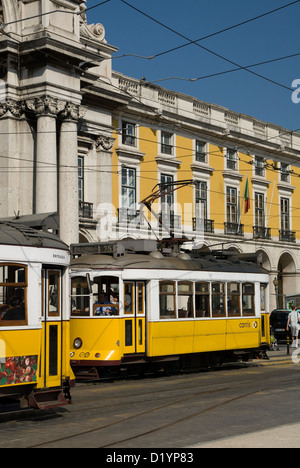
[110, 248]
[115, 248]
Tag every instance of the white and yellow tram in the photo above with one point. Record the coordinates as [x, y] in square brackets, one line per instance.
[131, 304]
[34, 318]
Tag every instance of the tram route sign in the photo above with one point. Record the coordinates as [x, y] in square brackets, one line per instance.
[93, 248]
[115, 248]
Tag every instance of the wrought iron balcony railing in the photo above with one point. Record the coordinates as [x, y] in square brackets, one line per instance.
[287, 236]
[260, 232]
[86, 210]
[203, 224]
[234, 229]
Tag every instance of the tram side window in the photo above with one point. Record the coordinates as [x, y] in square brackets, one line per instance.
[202, 301]
[248, 300]
[218, 300]
[167, 300]
[13, 295]
[54, 293]
[234, 299]
[263, 297]
[185, 300]
[140, 298]
[128, 298]
[80, 297]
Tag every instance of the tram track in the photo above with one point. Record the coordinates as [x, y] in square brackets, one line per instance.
[180, 420]
[97, 433]
[190, 417]
[124, 420]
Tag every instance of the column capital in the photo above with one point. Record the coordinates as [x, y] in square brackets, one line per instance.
[45, 105]
[16, 108]
[72, 112]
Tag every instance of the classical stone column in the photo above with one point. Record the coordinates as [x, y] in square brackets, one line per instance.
[46, 190]
[68, 175]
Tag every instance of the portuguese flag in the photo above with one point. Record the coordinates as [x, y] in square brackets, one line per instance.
[247, 197]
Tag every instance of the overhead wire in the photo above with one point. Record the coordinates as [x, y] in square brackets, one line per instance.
[240, 68]
[226, 72]
[47, 13]
[230, 28]
[210, 51]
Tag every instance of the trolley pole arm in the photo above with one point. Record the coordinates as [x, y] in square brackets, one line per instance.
[163, 190]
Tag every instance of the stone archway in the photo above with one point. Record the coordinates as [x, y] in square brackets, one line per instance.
[264, 260]
[287, 278]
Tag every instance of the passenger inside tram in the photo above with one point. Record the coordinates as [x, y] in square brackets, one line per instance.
[13, 286]
[16, 310]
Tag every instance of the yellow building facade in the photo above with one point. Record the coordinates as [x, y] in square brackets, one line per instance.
[246, 192]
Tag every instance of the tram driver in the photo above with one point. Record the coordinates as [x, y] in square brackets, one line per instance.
[105, 307]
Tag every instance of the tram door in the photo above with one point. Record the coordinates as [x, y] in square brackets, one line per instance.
[135, 317]
[51, 363]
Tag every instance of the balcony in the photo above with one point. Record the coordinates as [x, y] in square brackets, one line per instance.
[130, 217]
[170, 220]
[204, 224]
[260, 232]
[234, 229]
[86, 210]
[287, 236]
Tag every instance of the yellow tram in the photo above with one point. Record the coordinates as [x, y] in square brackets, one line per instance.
[132, 304]
[34, 318]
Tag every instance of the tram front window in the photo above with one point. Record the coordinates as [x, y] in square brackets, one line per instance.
[106, 297]
[103, 292]
[80, 297]
[13, 295]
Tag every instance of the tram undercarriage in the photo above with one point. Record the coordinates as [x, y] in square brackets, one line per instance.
[143, 365]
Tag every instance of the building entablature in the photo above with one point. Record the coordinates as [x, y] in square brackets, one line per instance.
[226, 127]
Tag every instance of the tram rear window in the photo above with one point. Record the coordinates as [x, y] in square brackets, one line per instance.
[248, 300]
[234, 299]
[13, 295]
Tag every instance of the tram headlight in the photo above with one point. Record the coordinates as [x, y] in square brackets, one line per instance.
[77, 344]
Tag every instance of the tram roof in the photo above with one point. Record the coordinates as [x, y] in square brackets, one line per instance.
[17, 234]
[155, 261]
